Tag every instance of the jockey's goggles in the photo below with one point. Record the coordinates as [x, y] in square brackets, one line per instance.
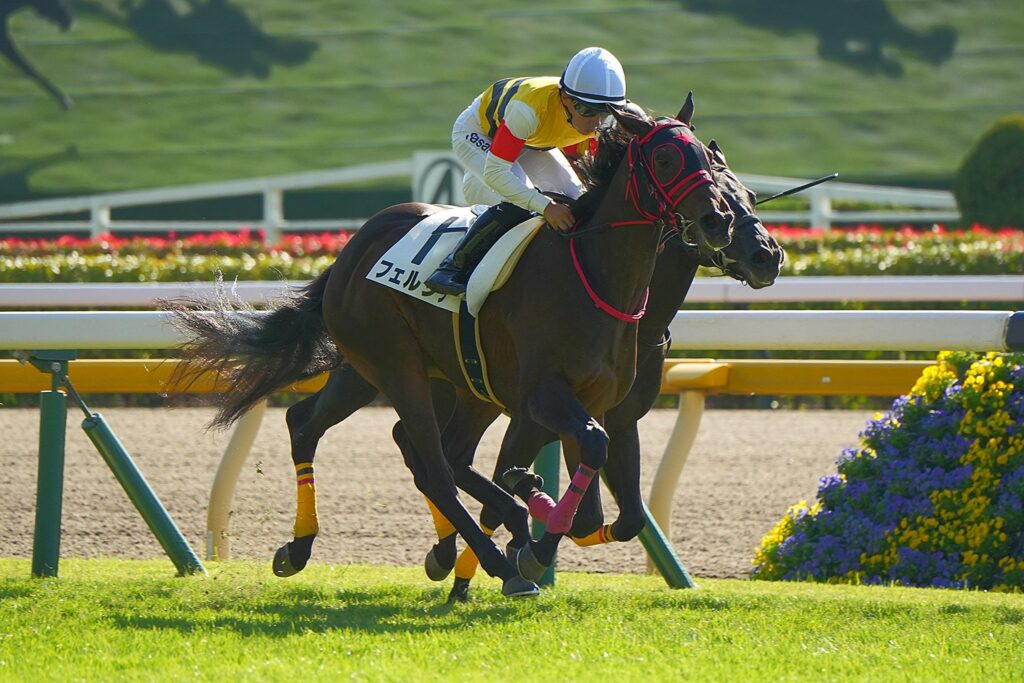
[588, 109]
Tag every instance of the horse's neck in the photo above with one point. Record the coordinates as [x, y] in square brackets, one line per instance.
[673, 274]
[618, 261]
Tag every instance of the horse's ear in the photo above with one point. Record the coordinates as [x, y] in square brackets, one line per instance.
[633, 119]
[716, 152]
[686, 113]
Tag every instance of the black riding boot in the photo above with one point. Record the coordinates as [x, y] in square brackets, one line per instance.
[452, 276]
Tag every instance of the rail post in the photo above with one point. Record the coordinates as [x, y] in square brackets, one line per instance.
[53, 417]
[50, 489]
[547, 465]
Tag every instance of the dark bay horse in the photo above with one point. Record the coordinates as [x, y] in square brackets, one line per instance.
[753, 257]
[557, 359]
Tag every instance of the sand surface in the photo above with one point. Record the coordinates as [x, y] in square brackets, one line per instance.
[746, 467]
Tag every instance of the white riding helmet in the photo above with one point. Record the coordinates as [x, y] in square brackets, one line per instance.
[594, 75]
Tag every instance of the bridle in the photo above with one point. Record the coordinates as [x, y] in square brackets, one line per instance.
[656, 205]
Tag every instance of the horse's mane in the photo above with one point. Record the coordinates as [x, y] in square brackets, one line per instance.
[596, 171]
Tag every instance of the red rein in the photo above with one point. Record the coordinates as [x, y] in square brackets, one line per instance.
[668, 197]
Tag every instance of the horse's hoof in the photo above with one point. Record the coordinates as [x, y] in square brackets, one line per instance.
[521, 481]
[460, 591]
[435, 570]
[518, 587]
[283, 563]
[528, 566]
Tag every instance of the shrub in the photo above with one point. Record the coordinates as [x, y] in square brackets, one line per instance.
[933, 497]
[989, 187]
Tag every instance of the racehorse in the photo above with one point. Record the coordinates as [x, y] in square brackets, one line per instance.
[55, 11]
[753, 257]
[650, 180]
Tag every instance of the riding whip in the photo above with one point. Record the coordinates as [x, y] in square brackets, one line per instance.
[819, 181]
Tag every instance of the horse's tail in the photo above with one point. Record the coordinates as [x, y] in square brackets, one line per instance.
[253, 353]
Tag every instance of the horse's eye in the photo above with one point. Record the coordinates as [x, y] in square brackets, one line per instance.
[668, 161]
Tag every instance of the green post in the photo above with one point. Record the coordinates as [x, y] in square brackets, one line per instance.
[53, 414]
[662, 555]
[548, 464]
[141, 495]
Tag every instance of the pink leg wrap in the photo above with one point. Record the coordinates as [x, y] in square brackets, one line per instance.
[560, 519]
[540, 505]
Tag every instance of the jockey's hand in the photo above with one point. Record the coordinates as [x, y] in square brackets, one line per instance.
[559, 216]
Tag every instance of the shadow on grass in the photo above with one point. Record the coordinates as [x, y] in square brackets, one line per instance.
[218, 32]
[854, 33]
[319, 611]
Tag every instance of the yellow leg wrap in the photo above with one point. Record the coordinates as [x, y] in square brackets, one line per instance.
[465, 566]
[443, 527]
[602, 535]
[306, 523]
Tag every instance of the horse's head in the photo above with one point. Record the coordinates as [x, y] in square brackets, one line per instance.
[671, 177]
[54, 11]
[753, 256]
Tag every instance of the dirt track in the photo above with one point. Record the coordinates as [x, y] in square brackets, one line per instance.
[745, 469]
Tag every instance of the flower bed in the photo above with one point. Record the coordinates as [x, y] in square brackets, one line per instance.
[860, 250]
[933, 497]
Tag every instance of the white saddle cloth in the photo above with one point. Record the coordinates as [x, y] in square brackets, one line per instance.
[411, 260]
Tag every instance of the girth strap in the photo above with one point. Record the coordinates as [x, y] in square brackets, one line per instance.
[471, 355]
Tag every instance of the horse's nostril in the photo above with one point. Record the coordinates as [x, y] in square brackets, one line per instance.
[760, 258]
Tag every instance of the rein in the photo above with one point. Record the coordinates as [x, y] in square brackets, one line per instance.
[667, 198]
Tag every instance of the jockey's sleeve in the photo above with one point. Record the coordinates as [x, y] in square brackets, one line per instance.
[519, 123]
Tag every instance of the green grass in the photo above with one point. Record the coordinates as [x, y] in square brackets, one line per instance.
[387, 78]
[127, 620]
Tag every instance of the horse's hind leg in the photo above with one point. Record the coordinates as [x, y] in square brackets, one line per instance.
[345, 393]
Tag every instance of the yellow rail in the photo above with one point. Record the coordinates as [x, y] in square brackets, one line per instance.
[790, 377]
[120, 376]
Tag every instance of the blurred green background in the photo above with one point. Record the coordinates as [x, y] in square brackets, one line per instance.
[173, 91]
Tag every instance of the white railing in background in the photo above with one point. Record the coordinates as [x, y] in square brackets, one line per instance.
[272, 188]
[910, 206]
[806, 289]
[929, 206]
[760, 330]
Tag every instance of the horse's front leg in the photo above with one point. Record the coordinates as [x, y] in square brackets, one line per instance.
[433, 476]
[622, 474]
[460, 439]
[622, 470]
[554, 406]
[308, 420]
[526, 440]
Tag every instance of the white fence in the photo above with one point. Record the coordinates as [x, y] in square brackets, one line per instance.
[824, 289]
[759, 330]
[436, 177]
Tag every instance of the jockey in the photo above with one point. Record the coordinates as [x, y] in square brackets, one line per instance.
[510, 141]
